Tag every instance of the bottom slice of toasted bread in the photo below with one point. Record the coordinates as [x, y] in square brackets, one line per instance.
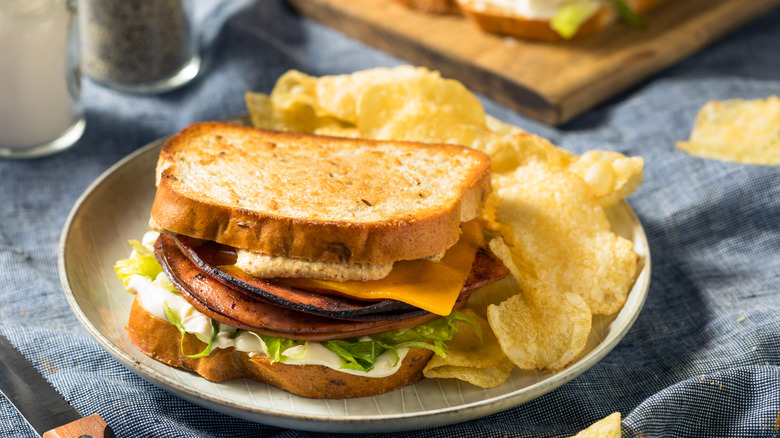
[160, 340]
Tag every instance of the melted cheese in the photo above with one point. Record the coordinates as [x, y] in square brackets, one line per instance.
[429, 285]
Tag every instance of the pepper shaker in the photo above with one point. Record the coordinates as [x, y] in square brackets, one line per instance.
[138, 46]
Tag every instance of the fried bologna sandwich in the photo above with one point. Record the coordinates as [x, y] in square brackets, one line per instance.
[327, 267]
[553, 20]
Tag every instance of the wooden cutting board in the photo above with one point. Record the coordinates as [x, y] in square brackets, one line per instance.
[549, 82]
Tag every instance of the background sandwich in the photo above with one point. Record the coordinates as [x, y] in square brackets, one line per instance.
[542, 20]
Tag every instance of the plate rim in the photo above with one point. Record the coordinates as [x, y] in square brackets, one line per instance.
[455, 413]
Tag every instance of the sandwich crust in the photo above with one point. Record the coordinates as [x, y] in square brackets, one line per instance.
[318, 198]
[159, 340]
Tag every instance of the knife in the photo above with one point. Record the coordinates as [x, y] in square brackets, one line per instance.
[40, 404]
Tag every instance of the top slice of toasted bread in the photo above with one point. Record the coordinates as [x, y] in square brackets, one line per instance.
[321, 198]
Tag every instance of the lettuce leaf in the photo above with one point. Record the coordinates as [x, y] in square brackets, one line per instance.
[361, 353]
[430, 335]
[173, 319]
[277, 346]
[164, 282]
[628, 15]
[571, 16]
[142, 262]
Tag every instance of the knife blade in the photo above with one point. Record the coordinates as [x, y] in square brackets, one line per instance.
[44, 409]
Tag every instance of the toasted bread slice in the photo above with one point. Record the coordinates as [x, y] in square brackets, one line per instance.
[318, 198]
[495, 19]
[160, 340]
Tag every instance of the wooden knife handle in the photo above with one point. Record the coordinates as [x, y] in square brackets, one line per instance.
[92, 426]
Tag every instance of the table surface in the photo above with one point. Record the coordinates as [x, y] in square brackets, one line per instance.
[702, 360]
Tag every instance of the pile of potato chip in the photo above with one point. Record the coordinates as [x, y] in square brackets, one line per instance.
[546, 213]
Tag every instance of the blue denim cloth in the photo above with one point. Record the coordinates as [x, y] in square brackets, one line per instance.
[702, 360]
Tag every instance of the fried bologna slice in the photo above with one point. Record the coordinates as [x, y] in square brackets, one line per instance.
[251, 312]
[321, 198]
[159, 340]
[185, 267]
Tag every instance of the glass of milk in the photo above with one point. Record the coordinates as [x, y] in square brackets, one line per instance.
[40, 83]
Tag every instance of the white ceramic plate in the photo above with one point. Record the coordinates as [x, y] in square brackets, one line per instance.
[115, 209]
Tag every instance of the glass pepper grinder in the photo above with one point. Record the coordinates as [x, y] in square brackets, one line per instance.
[138, 46]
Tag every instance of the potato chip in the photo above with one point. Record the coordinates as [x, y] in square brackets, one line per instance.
[300, 117]
[261, 111]
[424, 108]
[485, 366]
[608, 427]
[743, 131]
[539, 328]
[563, 235]
[338, 96]
[493, 293]
[293, 90]
[611, 176]
[519, 150]
[295, 104]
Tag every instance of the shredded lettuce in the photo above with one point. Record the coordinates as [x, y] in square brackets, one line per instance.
[628, 15]
[430, 335]
[361, 354]
[173, 319]
[276, 346]
[164, 282]
[142, 262]
[571, 16]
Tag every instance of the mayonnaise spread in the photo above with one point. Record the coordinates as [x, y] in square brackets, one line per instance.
[531, 9]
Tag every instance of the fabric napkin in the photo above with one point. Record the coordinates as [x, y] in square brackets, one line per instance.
[702, 360]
